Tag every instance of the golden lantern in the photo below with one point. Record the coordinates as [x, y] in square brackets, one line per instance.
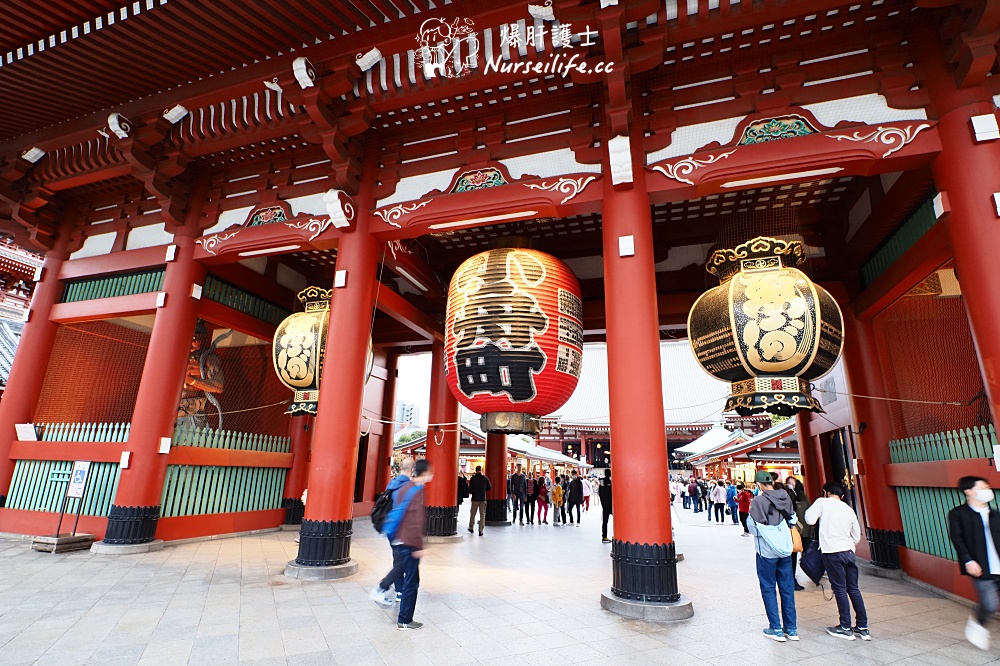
[766, 329]
[299, 348]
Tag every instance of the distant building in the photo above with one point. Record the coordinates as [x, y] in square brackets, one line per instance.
[408, 413]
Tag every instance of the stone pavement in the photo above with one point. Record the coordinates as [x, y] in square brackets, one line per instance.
[518, 595]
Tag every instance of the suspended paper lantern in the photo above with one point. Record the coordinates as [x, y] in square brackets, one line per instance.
[299, 348]
[513, 337]
[766, 329]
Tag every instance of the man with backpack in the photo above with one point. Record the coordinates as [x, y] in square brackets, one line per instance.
[479, 485]
[383, 506]
[771, 514]
[839, 533]
[405, 528]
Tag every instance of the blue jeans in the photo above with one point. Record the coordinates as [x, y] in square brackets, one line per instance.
[395, 575]
[697, 504]
[842, 570]
[686, 501]
[777, 571]
[411, 581]
[734, 513]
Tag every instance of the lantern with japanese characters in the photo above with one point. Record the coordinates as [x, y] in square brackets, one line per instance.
[766, 329]
[299, 348]
[513, 337]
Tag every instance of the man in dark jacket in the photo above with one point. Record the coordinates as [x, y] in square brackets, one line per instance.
[975, 533]
[694, 492]
[575, 497]
[410, 538]
[518, 488]
[479, 485]
[604, 492]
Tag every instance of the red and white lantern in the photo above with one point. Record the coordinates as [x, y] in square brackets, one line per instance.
[513, 337]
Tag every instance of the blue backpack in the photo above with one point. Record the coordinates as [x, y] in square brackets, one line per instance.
[391, 524]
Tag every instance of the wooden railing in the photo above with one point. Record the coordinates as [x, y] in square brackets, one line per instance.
[40, 485]
[83, 432]
[925, 472]
[110, 286]
[227, 439]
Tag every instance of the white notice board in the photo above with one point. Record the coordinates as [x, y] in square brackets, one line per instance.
[78, 480]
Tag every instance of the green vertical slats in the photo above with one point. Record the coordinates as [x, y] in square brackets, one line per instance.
[109, 286]
[32, 490]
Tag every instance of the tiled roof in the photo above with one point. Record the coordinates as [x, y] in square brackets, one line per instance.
[10, 335]
[689, 394]
[772, 435]
[716, 438]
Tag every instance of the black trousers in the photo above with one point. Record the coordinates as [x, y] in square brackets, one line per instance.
[530, 503]
[395, 576]
[571, 507]
[604, 524]
[518, 512]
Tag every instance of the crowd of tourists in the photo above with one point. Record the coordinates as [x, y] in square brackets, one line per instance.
[776, 514]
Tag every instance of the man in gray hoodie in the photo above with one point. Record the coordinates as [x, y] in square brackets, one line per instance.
[771, 514]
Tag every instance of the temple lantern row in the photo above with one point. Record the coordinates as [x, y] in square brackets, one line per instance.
[299, 348]
[513, 337]
[766, 329]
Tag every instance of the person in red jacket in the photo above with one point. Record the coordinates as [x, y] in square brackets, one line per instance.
[410, 539]
[743, 498]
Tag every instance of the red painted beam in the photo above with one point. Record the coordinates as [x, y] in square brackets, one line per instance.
[102, 308]
[940, 473]
[92, 451]
[937, 571]
[244, 323]
[210, 524]
[927, 254]
[193, 455]
[43, 523]
[116, 262]
[407, 314]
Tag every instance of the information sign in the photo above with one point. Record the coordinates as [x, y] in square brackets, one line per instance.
[78, 480]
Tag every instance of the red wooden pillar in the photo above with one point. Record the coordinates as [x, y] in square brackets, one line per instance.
[325, 536]
[384, 470]
[442, 451]
[643, 552]
[24, 384]
[966, 173]
[136, 508]
[496, 470]
[881, 516]
[300, 430]
[813, 474]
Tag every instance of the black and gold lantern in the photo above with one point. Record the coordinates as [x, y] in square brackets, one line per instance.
[299, 348]
[766, 329]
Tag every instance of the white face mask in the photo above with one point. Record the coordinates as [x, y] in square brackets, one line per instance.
[985, 495]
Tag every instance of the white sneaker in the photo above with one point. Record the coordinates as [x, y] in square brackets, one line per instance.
[977, 634]
[378, 595]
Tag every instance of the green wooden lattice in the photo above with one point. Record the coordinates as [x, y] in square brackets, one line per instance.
[228, 439]
[925, 510]
[113, 285]
[40, 485]
[190, 490]
[243, 301]
[919, 222]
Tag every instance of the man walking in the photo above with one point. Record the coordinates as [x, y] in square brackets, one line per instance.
[479, 485]
[975, 533]
[380, 593]
[604, 493]
[839, 532]
[771, 513]
[410, 538]
[731, 501]
[575, 497]
[518, 489]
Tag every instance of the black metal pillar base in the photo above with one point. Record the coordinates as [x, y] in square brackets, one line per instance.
[324, 543]
[884, 546]
[295, 510]
[442, 521]
[3, 501]
[644, 572]
[496, 512]
[130, 525]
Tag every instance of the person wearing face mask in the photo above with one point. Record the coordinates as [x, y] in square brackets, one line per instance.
[975, 533]
[839, 533]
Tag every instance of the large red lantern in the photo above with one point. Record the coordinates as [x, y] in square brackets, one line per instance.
[513, 337]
